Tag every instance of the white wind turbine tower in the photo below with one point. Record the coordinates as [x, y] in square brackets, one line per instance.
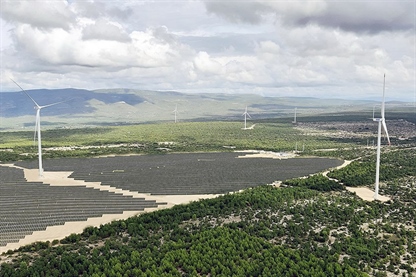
[175, 111]
[381, 121]
[294, 119]
[37, 126]
[245, 118]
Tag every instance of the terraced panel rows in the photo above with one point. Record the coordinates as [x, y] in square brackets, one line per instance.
[26, 207]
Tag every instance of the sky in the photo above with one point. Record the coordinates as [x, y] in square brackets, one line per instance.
[320, 48]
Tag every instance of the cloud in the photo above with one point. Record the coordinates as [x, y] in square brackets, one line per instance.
[162, 34]
[236, 11]
[357, 16]
[92, 47]
[105, 30]
[38, 13]
[248, 71]
[206, 65]
[102, 9]
[368, 17]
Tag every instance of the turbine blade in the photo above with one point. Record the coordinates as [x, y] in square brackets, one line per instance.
[385, 130]
[53, 104]
[26, 93]
[248, 115]
[34, 135]
[36, 126]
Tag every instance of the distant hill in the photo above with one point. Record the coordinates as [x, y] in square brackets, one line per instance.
[130, 106]
[15, 104]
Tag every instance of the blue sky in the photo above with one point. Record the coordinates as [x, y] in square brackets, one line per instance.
[317, 48]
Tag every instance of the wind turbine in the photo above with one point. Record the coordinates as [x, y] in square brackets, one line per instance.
[294, 119]
[175, 111]
[381, 121]
[37, 126]
[245, 118]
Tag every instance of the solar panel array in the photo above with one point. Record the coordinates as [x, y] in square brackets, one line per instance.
[26, 207]
[181, 174]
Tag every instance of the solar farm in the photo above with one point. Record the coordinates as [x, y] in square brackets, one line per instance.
[27, 207]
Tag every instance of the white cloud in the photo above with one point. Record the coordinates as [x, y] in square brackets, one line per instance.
[249, 71]
[206, 65]
[268, 51]
[105, 30]
[61, 47]
[38, 13]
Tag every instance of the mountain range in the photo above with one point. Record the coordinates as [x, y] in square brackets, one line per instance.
[129, 106]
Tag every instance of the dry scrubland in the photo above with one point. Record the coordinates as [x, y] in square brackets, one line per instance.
[307, 227]
[400, 129]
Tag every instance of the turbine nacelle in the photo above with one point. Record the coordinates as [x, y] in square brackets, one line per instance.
[246, 113]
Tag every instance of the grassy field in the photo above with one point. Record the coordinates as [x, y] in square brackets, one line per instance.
[184, 136]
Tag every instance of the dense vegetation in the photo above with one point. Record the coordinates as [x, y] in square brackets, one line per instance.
[152, 138]
[316, 182]
[393, 165]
